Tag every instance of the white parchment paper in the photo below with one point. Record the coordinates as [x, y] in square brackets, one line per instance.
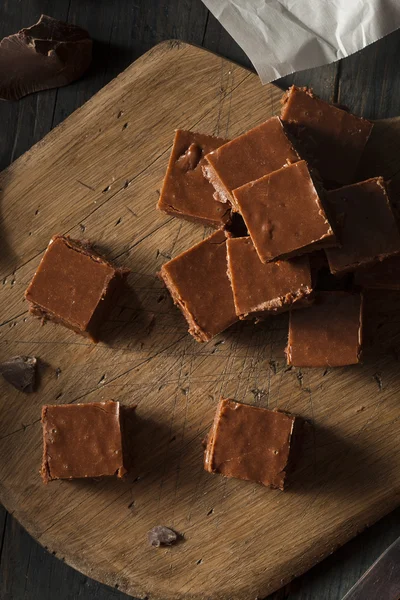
[283, 36]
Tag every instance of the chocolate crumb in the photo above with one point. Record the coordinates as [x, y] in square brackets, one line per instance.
[20, 371]
[162, 536]
[378, 379]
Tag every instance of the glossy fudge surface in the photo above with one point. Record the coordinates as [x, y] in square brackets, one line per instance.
[330, 138]
[261, 150]
[328, 334]
[74, 286]
[261, 289]
[198, 283]
[82, 440]
[250, 443]
[365, 223]
[284, 214]
[186, 193]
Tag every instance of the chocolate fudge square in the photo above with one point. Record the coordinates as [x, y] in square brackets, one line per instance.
[330, 138]
[262, 289]
[383, 275]
[250, 443]
[284, 214]
[365, 223]
[261, 150]
[74, 286]
[381, 333]
[198, 283]
[186, 193]
[82, 440]
[328, 334]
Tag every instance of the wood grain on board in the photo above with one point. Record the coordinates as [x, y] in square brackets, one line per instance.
[97, 175]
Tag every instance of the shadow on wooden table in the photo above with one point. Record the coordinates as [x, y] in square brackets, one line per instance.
[7, 254]
[143, 446]
[340, 465]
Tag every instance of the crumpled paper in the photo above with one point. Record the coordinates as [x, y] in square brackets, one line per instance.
[284, 36]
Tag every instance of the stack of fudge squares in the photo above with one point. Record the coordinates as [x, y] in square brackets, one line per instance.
[285, 201]
[288, 213]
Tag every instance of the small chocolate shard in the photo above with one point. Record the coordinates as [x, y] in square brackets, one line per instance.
[162, 536]
[20, 371]
[46, 55]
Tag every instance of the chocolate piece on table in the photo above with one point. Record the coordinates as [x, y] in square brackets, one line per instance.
[384, 275]
[82, 440]
[186, 193]
[283, 213]
[260, 289]
[20, 371]
[250, 443]
[74, 286]
[49, 54]
[328, 334]
[162, 536]
[261, 150]
[331, 139]
[366, 225]
[198, 283]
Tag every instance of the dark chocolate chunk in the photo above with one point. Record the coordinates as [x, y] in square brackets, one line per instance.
[20, 371]
[162, 536]
[49, 54]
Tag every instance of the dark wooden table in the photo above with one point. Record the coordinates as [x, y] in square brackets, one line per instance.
[368, 82]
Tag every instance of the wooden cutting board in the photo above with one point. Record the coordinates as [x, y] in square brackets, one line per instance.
[97, 176]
